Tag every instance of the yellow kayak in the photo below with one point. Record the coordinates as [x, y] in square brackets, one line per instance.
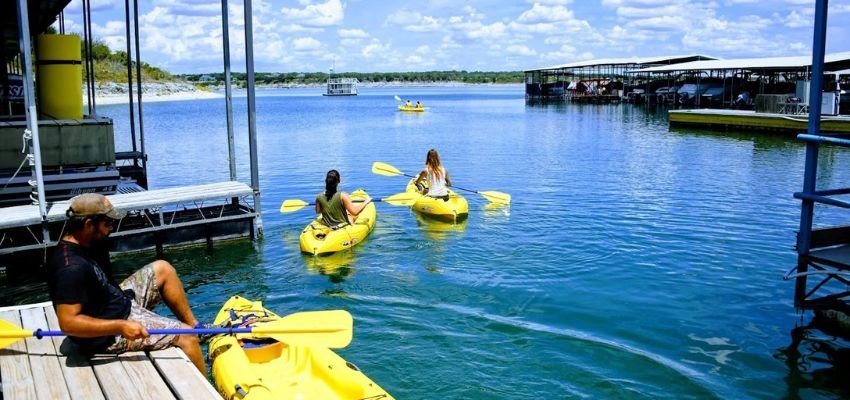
[411, 109]
[265, 369]
[318, 238]
[454, 210]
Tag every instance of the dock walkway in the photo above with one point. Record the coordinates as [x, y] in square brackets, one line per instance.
[756, 120]
[47, 369]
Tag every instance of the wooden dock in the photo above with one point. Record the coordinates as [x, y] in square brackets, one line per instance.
[48, 369]
[743, 119]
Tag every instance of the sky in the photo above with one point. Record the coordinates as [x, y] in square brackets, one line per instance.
[185, 36]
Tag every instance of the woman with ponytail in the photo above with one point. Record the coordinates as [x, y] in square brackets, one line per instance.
[336, 207]
[436, 176]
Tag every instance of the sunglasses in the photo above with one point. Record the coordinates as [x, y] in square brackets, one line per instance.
[109, 222]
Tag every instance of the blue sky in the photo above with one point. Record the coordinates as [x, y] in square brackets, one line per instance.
[184, 36]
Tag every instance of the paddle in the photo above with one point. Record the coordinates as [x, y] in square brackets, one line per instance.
[397, 98]
[399, 199]
[493, 196]
[330, 329]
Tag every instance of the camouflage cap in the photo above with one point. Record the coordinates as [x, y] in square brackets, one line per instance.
[93, 204]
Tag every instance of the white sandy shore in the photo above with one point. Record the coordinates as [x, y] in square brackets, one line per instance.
[105, 99]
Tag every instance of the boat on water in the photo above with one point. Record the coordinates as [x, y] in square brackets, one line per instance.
[341, 87]
[249, 368]
[318, 238]
[454, 209]
[411, 108]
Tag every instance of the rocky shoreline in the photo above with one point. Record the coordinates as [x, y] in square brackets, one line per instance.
[117, 93]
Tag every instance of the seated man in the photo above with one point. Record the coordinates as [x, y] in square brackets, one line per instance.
[100, 315]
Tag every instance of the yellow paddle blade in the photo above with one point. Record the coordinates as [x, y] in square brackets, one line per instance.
[292, 205]
[401, 199]
[497, 197]
[397, 98]
[385, 169]
[9, 333]
[331, 329]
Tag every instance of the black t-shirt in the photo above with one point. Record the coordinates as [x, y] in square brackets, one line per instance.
[74, 276]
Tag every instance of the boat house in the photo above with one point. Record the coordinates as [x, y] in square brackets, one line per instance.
[593, 80]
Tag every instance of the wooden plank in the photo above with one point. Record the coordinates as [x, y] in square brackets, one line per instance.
[114, 379]
[15, 372]
[182, 376]
[79, 375]
[144, 375]
[46, 372]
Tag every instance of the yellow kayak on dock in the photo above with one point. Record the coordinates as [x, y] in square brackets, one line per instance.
[318, 238]
[249, 368]
[454, 210]
[411, 109]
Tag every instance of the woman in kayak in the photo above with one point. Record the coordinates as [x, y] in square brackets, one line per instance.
[436, 176]
[336, 207]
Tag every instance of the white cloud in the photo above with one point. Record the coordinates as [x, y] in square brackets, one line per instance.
[375, 49]
[796, 19]
[321, 14]
[540, 13]
[492, 31]
[414, 22]
[306, 44]
[352, 33]
[554, 2]
[520, 50]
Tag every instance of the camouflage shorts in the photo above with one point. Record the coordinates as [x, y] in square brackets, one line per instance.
[143, 284]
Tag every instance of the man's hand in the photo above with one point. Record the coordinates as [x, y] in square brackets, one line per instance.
[132, 330]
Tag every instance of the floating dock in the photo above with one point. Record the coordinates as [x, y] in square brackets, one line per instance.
[49, 368]
[157, 218]
[751, 120]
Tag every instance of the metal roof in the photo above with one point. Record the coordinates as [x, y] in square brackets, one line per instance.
[832, 62]
[42, 14]
[627, 61]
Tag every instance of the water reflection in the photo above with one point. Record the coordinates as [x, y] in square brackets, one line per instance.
[336, 266]
[817, 361]
[437, 230]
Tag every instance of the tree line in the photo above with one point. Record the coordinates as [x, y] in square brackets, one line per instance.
[308, 78]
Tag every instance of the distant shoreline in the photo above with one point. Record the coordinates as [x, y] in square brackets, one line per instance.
[108, 93]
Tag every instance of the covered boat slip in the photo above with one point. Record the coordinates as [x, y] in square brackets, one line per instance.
[587, 78]
[49, 368]
[188, 214]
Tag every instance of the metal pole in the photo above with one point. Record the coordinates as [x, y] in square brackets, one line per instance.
[252, 114]
[139, 91]
[810, 174]
[32, 114]
[90, 59]
[228, 92]
[86, 35]
[130, 75]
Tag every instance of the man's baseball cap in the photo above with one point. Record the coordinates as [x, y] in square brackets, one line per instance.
[91, 205]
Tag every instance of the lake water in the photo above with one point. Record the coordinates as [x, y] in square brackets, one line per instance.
[634, 261]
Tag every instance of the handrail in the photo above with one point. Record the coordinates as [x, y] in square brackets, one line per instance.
[824, 139]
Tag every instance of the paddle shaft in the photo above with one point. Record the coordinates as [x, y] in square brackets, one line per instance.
[194, 331]
[452, 186]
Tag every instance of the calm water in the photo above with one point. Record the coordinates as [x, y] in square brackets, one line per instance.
[634, 261]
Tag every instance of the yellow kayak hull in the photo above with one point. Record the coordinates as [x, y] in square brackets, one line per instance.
[318, 238]
[261, 370]
[454, 210]
[411, 109]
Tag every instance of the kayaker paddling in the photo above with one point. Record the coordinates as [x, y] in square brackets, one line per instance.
[98, 314]
[436, 177]
[336, 208]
